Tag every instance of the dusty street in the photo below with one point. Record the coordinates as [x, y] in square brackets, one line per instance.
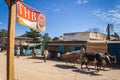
[35, 69]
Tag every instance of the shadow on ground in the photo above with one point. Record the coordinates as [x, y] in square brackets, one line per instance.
[91, 73]
[114, 66]
[35, 58]
[37, 62]
[99, 69]
[65, 66]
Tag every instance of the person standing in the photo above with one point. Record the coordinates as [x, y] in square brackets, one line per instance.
[58, 56]
[0, 49]
[34, 52]
[83, 50]
[24, 51]
[45, 54]
[18, 52]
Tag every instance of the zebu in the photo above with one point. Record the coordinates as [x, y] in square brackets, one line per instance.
[98, 59]
[90, 58]
[107, 59]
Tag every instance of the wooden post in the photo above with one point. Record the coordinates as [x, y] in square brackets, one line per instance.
[10, 42]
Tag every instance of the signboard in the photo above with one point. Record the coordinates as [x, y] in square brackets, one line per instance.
[30, 17]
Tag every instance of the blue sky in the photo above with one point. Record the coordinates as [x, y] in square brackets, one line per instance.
[66, 16]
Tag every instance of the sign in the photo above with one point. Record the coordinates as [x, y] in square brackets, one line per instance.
[30, 17]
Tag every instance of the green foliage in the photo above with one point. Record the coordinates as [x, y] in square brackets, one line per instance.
[33, 34]
[37, 36]
[46, 38]
[3, 33]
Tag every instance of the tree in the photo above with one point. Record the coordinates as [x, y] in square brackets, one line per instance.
[3, 33]
[46, 38]
[33, 34]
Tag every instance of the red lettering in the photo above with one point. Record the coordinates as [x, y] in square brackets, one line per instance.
[27, 13]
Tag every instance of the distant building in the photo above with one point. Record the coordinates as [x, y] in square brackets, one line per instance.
[21, 40]
[92, 41]
[60, 38]
[3, 42]
[114, 38]
[18, 41]
[84, 36]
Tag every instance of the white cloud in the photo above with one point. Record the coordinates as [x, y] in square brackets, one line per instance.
[56, 10]
[111, 16]
[81, 1]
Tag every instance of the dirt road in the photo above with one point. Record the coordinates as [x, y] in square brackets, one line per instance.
[27, 68]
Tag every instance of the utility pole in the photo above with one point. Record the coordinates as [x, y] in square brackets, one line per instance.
[108, 32]
[10, 39]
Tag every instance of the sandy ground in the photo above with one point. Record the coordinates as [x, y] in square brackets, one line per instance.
[27, 68]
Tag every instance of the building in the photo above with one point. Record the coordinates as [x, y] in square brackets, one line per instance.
[114, 49]
[66, 46]
[74, 41]
[60, 38]
[3, 42]
[92, 42]
[22, 40]
[18, 41]
[84, 36]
